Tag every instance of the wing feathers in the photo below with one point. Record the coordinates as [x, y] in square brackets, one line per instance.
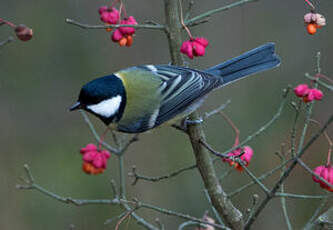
[178, 92]
[183, 88]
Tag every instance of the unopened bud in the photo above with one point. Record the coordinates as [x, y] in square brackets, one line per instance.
[23, 32]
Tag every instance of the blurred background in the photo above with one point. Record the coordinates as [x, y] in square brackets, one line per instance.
[41, 78]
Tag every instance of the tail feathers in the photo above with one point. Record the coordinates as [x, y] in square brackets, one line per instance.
[257, 60]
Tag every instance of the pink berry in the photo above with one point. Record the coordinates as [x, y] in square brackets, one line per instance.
[198, 49]
[23, 32]
[113, 16]
[202, 41]
[105, 16]
[89, 156]
[102, 9]
[309, 96]
[325, 172]
[317, 171]
[320, 20]
[106, 154]
[128, 30]
[187, 49]
[194, 47]
[318, 94]
[301, 90]
[117, 35]
[248, 153]
[308, 17]
[98, 161]
[88, 148]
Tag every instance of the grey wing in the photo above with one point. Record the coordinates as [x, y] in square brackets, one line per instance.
[181, 88]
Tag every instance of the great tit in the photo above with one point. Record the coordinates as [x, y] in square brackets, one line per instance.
[136, 99]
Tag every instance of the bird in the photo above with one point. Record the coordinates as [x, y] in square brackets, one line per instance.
[140, 98]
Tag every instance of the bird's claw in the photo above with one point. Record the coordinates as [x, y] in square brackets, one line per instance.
[193, 122]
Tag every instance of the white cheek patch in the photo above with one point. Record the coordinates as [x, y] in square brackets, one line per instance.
[106, 108]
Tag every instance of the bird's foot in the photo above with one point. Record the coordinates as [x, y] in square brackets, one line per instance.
[193, 122]
[187, 122]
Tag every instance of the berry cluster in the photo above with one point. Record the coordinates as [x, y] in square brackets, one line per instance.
[325, 172]
[123, 35]
[314, 21]
[307, 93]
[94, 160]
[246, 153]
[194, 47]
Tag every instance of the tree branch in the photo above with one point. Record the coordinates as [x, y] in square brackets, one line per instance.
[289, 169]
[231, 215]
[30, 184]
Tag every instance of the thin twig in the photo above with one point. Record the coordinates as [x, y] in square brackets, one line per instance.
[293, 130]
[217, 10]
[122, 187]
[141, 221]
[122, 177]
[283, 198]
[130, 141]
[138, 177]
[124, 218]
[190, 223]
[137, 26]
[262, 177]
[255, 199]
[253, 177]
[320, 82]
[213, 209]
[301, 196]
[5, 42]
[217, 110]
[159, 223]
[189, 9]
[178, 214]
[310, 4]
[227, 173]
[210, 149]
[203, 21]
[264, 127]
[92, 129]
[109, 221]
[311, 222]
[114, 189]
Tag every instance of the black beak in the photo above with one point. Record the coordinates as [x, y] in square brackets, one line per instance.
[76, 106]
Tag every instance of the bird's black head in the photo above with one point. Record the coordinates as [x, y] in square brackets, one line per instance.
[104, 97]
